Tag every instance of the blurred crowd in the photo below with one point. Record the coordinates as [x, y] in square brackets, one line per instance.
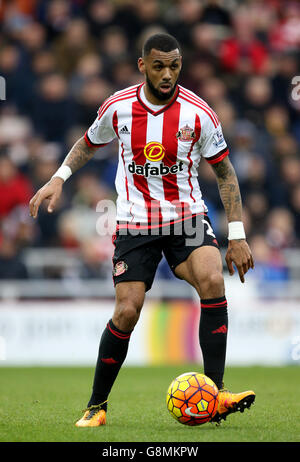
[61, 58]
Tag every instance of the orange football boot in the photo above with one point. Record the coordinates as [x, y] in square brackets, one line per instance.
[93, 416]
[232, 402]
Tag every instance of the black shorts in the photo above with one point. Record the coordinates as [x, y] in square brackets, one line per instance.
[137, 255]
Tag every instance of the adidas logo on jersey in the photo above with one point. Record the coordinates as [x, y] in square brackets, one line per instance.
[125, 130]
[148, 169]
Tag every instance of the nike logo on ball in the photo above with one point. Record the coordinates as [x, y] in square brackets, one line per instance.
[190, 413]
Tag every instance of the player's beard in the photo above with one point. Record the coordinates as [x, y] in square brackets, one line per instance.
[157, 94]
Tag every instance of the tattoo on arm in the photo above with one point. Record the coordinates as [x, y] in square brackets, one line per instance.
[79, 155]
[229, 189]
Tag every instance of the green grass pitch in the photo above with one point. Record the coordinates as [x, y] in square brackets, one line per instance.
[41, 404]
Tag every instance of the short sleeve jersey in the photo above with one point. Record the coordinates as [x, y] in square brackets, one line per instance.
[159, 153]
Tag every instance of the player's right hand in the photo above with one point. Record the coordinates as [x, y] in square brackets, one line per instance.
[50, 191]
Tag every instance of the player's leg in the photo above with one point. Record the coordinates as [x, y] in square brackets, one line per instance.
[203, 270]
[115, 338]
[130, 298]
[135, 263]
[113, 349]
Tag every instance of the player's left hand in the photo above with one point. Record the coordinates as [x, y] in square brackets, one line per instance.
[239, 253]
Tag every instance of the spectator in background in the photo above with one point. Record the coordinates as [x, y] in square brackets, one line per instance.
[74, 43]
[227, 116]
[124, 73]
[214, 12]
[180, 21]
[11, 264]
[16, 229]
[276, 120]
[67, 227]
[256, 99]
[283, 146]
[95, 256]
[242, 149]
[15, 188]
[286, 66]
[90, 191]
[77, 224]
[15, 133]
[147, 14]
[19, 89]
[44, 165]
[205, 40]
[114, 47]
[243, 53]
[270, 264]
[88, 98]
[89, 66]
[284, 35]
[53, 109]
[213, 91]
[101, 14]
[31, 38]
[280, 231]
[55, 16]
[197, 70]
[257, 205]
[295, 207]
[290, 171]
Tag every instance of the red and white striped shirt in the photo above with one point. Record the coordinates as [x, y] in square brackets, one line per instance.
[159, 153]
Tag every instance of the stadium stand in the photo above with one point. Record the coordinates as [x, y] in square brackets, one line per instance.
[60, 59]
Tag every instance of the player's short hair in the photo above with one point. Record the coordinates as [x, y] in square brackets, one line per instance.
[161, 42]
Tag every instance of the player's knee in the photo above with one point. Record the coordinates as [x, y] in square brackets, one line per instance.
[212, 286]
[127, 313]
[126, 317]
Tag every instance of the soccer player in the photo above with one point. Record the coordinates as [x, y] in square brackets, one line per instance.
[163, 131]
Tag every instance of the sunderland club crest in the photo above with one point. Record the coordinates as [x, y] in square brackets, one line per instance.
[185, 133]
[120, 268]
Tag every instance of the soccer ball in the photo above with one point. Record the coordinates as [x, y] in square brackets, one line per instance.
[192, 398]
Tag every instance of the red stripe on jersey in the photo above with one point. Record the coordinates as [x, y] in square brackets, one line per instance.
[138, 142]
[197, 136]
[90, 143]
[199, 100]
[170, 143]
[115, 125]
[109, 102]
[205, 109]
[218, 157]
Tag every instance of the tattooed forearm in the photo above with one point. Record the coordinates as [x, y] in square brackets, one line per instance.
[229, 189]
[79, 155]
